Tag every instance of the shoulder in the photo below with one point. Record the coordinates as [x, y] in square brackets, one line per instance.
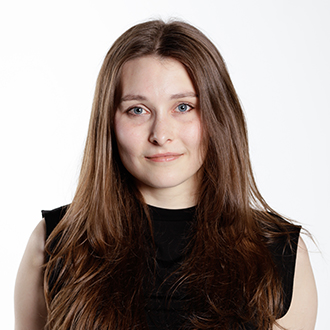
[281, 237]
[303, 307]
[30, 309]
[35, 248]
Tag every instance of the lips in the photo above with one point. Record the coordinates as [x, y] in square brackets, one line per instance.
[165, 157]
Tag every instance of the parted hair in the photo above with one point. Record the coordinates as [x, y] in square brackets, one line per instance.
[101, 254]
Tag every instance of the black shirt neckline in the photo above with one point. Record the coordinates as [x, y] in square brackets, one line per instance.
[168, 215]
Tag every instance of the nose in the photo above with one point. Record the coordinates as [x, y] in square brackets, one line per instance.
[161, 131]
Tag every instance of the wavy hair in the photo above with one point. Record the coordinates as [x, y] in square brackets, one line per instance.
[100, 253]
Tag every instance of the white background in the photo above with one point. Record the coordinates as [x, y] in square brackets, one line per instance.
[277, 53]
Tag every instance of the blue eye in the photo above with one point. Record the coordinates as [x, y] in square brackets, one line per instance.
[183, 107]
[137, 111]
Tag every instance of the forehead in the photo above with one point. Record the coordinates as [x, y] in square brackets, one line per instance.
[149, 74]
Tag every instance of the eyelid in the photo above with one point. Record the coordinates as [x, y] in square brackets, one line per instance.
[187, 104]
[130, 110]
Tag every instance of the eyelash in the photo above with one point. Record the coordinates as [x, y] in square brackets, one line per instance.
[186, 104]
[130, 111]
[190, 107]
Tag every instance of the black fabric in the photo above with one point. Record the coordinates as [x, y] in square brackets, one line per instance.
[284, 256]
[165, 308]
[171, 233]
[52, 218]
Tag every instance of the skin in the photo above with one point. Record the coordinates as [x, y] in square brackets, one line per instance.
[158, 131]
[303, 309]
[145, 136]
[30, 307]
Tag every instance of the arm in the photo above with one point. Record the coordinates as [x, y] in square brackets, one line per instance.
[30, 307]
[302, 312]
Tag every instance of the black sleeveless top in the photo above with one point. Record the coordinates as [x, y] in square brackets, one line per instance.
[171, 234]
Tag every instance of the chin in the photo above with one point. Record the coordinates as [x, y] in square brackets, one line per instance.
[167, 183]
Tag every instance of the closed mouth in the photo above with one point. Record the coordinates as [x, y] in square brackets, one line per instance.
[165, 157]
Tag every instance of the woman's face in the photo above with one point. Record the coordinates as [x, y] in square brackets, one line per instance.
[158, 130]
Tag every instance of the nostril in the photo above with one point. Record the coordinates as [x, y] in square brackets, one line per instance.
[160, 133]
[153, 139]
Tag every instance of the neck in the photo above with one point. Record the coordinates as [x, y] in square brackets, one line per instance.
[169, 198]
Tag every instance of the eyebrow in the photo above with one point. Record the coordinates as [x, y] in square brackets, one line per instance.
[182, 95]
[137, 97]
[133, 97]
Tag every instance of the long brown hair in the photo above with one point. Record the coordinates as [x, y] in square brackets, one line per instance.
[100, 253]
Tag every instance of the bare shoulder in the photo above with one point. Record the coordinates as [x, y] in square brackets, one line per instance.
[36, 243]
[30, 309]
[303, 309]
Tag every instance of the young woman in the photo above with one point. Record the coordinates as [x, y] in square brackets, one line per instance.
[167, 228]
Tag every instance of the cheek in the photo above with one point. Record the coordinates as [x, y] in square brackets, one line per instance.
[128, 139]
[192, 135]
[196, 144]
